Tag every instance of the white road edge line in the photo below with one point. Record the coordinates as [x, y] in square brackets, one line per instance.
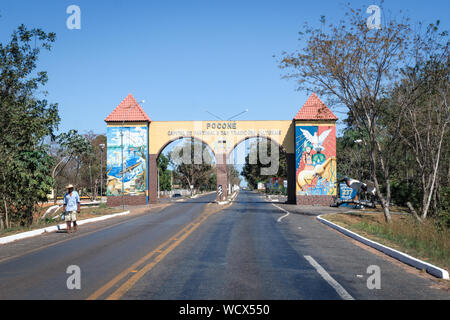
[28, 234]
[401, 256]
[325, 275]
[287, 212]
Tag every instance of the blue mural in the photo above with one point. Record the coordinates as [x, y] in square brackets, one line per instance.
[133, 173]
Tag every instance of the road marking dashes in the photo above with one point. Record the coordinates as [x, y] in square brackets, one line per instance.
[325, 275]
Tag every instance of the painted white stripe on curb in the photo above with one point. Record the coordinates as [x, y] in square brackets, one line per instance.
[403, 257]
[281, 218]
[37, 232]
[325, 275]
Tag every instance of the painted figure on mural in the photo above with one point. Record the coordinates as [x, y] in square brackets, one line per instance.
[308, 157]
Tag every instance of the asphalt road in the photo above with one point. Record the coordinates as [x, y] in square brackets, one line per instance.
[250, 250]
[101, 254]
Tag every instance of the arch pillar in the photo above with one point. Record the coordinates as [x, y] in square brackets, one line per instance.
[221, 175]
[291, 192]
[153, 178]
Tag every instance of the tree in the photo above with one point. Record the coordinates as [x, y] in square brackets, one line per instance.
[252, 172]
[193, 165]
[72, 146]
[233, 175]
[164, 173]
[90, 164]
[357, 67]
[427, 120]
[26, 120]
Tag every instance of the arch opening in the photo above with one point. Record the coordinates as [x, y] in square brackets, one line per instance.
[182, 166]
[263, 164]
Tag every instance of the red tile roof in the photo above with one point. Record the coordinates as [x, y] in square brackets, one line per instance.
[315, 109]
[128, 110]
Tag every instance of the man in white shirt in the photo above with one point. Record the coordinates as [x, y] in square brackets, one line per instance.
[71, 208]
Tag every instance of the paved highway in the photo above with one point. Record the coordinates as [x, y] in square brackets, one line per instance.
[249, 250]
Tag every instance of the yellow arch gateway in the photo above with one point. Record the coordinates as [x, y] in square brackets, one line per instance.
[220, 136]
[135, 142]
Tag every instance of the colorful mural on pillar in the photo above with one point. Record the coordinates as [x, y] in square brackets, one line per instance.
[315, 153]
[135, 151]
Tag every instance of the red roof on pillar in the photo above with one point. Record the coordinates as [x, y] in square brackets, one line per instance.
[315, 109]
[128, 110]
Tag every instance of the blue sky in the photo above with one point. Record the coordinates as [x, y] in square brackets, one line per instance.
[182, 57]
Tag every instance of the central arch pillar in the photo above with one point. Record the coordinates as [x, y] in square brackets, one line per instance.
[153, 178]
[290, 159]
[221, 175]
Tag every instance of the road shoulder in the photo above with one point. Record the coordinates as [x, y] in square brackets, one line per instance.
[29, 245]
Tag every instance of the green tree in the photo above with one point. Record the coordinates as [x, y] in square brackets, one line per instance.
[191, 170]
[252, 172]
[71, 146]
[164, 173]
[26, 120]
[357, 67]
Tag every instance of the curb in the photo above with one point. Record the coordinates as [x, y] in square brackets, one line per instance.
[403, 257]
[37, 232]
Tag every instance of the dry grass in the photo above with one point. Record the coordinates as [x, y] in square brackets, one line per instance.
[428, 241]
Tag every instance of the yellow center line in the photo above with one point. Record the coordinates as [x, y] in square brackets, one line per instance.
[162, 253]
[132, 281]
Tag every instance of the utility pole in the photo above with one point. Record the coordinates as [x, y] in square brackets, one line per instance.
[101, 170]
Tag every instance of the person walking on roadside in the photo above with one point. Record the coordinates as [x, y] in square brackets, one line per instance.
[71, 208]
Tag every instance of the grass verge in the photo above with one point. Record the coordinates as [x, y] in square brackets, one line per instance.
[429, 241]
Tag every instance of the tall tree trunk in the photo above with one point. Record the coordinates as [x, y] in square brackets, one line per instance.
[373, 158]
[55, 195]
[436, 168]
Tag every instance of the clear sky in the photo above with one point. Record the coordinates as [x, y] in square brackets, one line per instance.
[182, 57]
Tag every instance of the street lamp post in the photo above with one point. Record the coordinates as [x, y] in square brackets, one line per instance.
[101, 170]
[246, 110]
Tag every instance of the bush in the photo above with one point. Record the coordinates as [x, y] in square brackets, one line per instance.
[403, 192]
[444, 208]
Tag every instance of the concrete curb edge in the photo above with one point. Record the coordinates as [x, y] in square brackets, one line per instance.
[37, 232]
[403, 257]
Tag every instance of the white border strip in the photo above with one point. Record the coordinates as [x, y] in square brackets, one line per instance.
[37, 232]
[403, 257]
[326, 276]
